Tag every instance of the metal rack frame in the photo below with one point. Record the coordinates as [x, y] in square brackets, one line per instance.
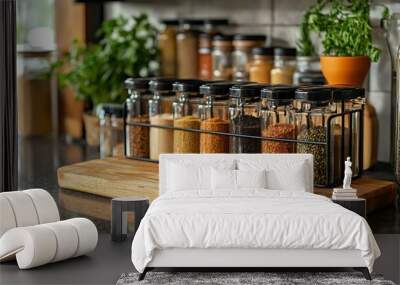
[327, 143]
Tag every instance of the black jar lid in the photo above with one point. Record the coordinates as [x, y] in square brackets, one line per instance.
[170, 22]
[113, 110]
[314, 93]
[192, 22]
[216, 22]
[220, 89]
[342, 92]
[187, 85]
[283, 51]
[312, 78]
[279, 92]
[163, 84]
[137, 83]
[222, 37]
[249, 37]
[263, 51]
[248, 91]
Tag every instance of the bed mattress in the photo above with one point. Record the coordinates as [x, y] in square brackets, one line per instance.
[250, 219]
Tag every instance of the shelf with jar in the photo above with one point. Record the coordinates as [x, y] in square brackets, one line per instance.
[192, 116]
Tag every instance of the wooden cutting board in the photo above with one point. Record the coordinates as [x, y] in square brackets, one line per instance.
[118, 177]
[111, 177]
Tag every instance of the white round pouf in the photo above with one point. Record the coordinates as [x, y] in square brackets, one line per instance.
[45, 205]
[31, 232]
[33, 246]
[37, 245]
[87, 233]
[23, 208]
[67, 240]
[7, 218]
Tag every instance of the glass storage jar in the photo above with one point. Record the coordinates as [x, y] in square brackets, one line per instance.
[284, 65]
[348, 128]
[277, 119]
[308, 71]
[312, 116]
[186, 115]
[243, 44]
[160, 114]
[244, 118]
[211, 28]
[105, 131]
[215, 117]
[222, 57]
[205, 59]
[117, 130]
[261, 64]
[187, 48]
[137, 137]
[167, 46]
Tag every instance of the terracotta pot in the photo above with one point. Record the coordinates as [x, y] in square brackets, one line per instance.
[345, 70]
[92, 129]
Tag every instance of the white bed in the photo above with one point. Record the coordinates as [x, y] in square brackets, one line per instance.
[248, 227]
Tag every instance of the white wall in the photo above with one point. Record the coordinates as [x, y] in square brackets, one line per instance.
[278, 19]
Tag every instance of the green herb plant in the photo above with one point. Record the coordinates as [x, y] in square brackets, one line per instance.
[343, 26]
[127, 47]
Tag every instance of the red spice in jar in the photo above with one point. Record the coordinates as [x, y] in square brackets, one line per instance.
[212, 143]
[281, 131]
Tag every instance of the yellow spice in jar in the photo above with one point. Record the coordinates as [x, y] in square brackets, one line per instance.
[161, 140]
[187, 141]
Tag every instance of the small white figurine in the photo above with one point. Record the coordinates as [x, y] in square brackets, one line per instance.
[348, 173]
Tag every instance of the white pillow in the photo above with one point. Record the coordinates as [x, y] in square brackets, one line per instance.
[190, 176]
[223, 179]
[251, 179]
[237, 179]
[282, 174]
[293, 179]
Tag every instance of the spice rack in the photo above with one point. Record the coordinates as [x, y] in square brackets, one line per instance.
[345, 146]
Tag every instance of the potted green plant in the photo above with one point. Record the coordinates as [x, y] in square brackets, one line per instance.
[127, 47]
[345, 32]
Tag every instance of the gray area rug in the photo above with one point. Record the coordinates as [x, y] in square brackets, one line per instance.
[269, 278]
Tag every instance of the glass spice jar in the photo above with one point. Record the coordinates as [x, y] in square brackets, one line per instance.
[308, 71]
[261, 64]
[117, 130]
[187, 116]
[222, 57]
[167, 46]
[160, 114]
[211, 28]
[345, 99]
[277, 119]
[284, 65]
[105, 131]
[137, 137]
[215, 117]
[205, 59]
[244, 118]
[315, 108]
[187, 48]
[243, 44]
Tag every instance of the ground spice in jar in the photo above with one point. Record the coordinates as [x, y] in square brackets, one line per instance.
[281, 131]
[245, 125]
[138, 137]
[161, 140]
[211, 143]
[315, 134]
[187, 141]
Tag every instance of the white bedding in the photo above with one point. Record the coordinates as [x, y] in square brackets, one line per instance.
[251, 218]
